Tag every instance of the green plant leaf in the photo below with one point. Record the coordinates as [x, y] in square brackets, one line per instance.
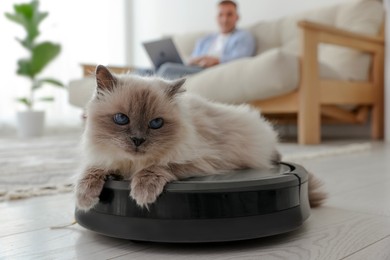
[24, 68]
[39, 83]
[53, 82]
[46, 99]
[26, 43]
[25, 101]
[28, 16]
[17, 18]
[42, 54]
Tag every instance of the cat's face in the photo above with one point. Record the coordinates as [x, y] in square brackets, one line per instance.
[134, 117]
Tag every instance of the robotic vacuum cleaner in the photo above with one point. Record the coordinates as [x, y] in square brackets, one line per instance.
[239, 205]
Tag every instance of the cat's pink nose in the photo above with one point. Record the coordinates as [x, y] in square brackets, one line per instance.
[137, 141]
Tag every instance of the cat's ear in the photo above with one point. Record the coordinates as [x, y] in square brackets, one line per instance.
[175, 87]
[104, 79]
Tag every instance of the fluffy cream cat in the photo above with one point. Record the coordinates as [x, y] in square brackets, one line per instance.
[151, 132]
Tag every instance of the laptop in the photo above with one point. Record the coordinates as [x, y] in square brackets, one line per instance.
[162, 51]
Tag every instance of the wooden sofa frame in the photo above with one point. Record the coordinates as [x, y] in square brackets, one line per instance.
[318, 100]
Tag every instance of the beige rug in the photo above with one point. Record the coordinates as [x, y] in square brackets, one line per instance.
[38, 166]
[46, 165]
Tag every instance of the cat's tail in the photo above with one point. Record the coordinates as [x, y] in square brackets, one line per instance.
[317, 194]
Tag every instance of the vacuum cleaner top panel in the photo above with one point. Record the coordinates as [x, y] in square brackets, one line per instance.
[282, 176]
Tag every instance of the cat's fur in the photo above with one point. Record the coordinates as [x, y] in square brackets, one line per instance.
[198, 137]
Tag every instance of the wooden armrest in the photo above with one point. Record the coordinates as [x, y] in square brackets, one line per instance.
[333, 35]
[340, 32]
[89, 69]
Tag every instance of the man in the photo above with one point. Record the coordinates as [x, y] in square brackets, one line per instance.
[228, 44]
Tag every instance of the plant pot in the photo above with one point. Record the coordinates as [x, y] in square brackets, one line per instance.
[30, 123]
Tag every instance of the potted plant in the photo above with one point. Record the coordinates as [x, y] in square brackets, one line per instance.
[31, 122]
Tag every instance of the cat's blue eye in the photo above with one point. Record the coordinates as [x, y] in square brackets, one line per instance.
[121, 119]
[156, 123]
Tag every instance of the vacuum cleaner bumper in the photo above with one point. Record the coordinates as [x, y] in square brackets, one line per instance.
[239, 205]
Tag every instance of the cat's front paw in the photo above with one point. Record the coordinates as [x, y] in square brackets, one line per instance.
[85, 200]
[146, 187]
[88, 190]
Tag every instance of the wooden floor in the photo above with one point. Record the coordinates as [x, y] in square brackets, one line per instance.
[354, 223]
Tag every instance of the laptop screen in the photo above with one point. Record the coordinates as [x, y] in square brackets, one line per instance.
[162, 51]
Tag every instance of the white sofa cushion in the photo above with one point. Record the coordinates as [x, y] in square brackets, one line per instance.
[270, 74]
[362, 16]
[81, 90]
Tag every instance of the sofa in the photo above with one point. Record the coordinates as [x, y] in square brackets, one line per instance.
[274, 70]
[296, 53]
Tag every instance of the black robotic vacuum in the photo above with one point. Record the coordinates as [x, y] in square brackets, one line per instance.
[234, 206]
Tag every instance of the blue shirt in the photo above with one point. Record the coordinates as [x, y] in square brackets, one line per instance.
[239, 44]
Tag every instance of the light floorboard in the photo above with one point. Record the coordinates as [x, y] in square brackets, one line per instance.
[329, 234]
[378, 250]
[353, 224]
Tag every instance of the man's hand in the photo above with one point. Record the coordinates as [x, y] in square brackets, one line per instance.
[204, 61]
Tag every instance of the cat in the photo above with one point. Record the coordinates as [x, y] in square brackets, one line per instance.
[150, 131]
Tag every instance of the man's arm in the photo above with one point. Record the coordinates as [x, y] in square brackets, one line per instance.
[204, 61]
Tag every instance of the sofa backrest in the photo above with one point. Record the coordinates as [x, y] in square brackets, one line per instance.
[284, 31]
[362, 16]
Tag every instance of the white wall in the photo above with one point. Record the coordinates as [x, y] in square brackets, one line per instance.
[154, 18]
[88, 30]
